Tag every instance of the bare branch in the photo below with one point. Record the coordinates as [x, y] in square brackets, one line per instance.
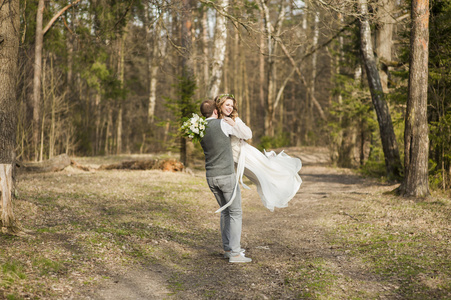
[301, 76]
[58, 15]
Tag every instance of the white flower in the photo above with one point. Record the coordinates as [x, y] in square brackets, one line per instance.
[194, 127]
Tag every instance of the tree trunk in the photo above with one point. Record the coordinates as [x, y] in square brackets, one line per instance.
[384, 39]
[119, 129]
[237, 79]
[53, 111]
[36, 95]
[109, 124]
[261, 65]
[44, 100]
[97, 116]
[153, 63]
[219, 50]
[348, 134]
[247, 110]
[121, 71]
[187, 67]
[9, 47]
[312, 85]
[270, 79]
[416, 140]
[388, 138]
[272, 32]
[153, 91]
[205, 48]
[346, 149]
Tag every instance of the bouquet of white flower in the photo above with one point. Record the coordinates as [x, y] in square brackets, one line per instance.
[194, 127]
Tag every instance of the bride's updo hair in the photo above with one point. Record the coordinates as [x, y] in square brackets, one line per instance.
[219, 100]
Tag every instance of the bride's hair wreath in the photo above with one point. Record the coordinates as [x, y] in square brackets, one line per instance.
[219, 100]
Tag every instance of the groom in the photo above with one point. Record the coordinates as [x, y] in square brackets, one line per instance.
[221, 179]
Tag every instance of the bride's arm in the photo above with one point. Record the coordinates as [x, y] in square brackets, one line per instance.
[241, 130]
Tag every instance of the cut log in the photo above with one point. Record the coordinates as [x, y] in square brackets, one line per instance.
[57, 163]
[75, 164]
[155, 164]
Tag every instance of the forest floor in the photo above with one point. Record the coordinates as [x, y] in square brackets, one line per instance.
[122, 234]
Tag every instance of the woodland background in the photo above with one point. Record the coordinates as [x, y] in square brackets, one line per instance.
[117, 76]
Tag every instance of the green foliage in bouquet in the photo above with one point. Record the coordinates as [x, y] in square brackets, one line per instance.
[193, 127]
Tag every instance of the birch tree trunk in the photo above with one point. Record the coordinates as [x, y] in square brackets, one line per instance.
[152, 62]
[261, 65]
[389, 144]
[9, 46]
[416, 140]
[311, 86]
[219, 50]
[305, 17]
[247, 116]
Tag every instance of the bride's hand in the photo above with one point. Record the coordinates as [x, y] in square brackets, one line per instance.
[229, 121]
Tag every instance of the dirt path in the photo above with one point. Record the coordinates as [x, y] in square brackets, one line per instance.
[282, 245]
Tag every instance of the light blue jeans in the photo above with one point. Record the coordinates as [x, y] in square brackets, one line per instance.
[231, 217]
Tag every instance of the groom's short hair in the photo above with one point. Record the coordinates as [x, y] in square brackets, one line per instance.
[207, 108]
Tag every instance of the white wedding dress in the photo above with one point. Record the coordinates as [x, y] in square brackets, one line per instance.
[275, 175]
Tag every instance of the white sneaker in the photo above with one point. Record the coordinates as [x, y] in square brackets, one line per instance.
[229, 253]
[240, 259]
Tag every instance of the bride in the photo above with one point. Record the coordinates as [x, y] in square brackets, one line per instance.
[275, 175]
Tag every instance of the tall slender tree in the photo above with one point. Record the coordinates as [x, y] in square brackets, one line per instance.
[387, 133]
[416, 140]
[271, 34]
[186, 64]
[37, 69]
[384, 38]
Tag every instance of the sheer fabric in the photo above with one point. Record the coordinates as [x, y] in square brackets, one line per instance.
[275, 175]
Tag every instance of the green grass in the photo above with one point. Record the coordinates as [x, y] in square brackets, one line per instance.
[404, 242]
[12, 271]
[311, 278]
[48, 266]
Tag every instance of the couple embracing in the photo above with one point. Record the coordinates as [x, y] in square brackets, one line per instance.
[276, 176]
